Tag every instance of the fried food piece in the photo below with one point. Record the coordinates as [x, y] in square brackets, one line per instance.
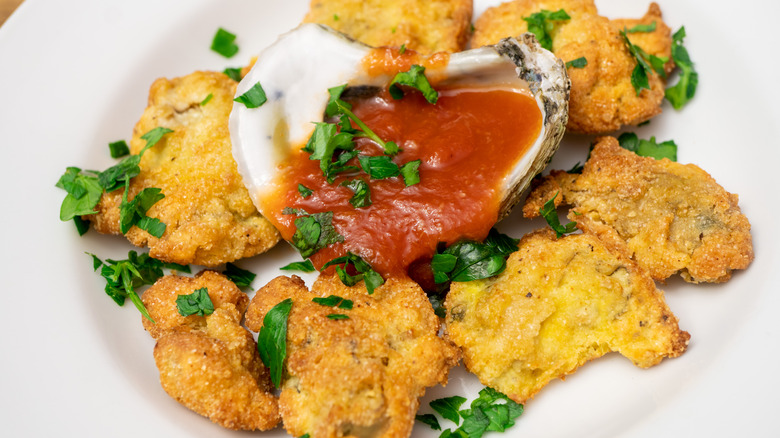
[425, 27]
[210, 364]
[673, 218]
[360, 376]
[559, 303]
[602, 97]
[209, 216]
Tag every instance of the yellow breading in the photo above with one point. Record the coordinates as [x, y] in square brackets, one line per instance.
[360, 376]
[423, 26]
[602, 97]
[559, 303]
[210, 364]
[673, 218]
[209, 216]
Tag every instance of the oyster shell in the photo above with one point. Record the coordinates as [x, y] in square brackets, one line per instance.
[297, 70]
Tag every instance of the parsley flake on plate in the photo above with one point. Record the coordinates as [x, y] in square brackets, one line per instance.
[313, 232]
[272, 339]
[224, 43]
[241, 277]
[304, 266]
[254, 97]
[580, 62]
[648, 148]
[468, 260]
[118, 149]
[197, 303]
[550, 214]
[414, 78]
[364, 271]
[683, 91]
[542, 24]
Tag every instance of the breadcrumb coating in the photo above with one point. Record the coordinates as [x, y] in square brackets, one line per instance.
[602, 97]
[360, 376]
[423, 26]
[209, 216]
[558, 304]
[672, 217]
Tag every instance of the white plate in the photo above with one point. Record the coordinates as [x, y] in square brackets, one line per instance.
[74, 76]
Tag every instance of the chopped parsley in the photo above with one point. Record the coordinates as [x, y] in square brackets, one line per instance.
[414, 78]
[118, 149]
[334, 301]
[272, 340]
[224, 43]
[304, 191]
[124, 276]
[313, 231]
[207, 99]
[402, 49]
[648, 148]
[361, 193]
[83, 193]
[134, 212]
[580, 62]
[411, 172]
[241, 277]
[646, 65]
[490, 411]
[304, 266]
[197, 303]
[468, 260]
[542, 24]
[338, 107]
[379, 167]
[550, 214]
[253, 98]
[683, 91]
[643, 28]
[337, 316]
[233, 73]
[364, 271]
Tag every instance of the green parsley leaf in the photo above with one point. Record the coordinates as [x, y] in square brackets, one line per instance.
[83, 193]
[304, 266]
[334, 301]
[233, 73]
[644, 28]
[304, 191]
[224, 43]
[365, 272]
[362, 194]
[645, 65]
[414, 78]
[648, 148]
[337, 107]
[683, 91]
[411, 172]
[254, 97]
[500, 415]
[313, 232]
[337, 316]
[197, 303]
[550, 214]
[429, 419]
[379, 167]
[402, 49]
[448, 407]
[153, 137]
[241, 277]
[124, 276]
[82, 226]
[468, 260]
[542, 24]
[118, 149]
[577, 168]
[272, 339]
[332, 148]
[580, 62]
[207, 99]
[134, 212]
[115, 176]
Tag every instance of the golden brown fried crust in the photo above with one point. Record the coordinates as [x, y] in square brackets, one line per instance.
[359, 376]
[602, 97]
[423, 26]
[210, 364]
[672, 217]
[559, 303]
[209, 216]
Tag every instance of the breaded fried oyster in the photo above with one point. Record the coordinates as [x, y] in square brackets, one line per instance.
[423, 26]
[602, 96]
[673, 218]
[559, 303]
[210, 363]
[209, 216]
[361, 375]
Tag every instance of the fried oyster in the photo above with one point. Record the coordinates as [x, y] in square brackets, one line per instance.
[559, 303]
[360, 376]
[602, 97]
[672, 217]
[209, 216]
[425, 27]
[210, 363]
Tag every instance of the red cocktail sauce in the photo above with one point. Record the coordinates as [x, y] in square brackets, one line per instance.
[468, 142]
